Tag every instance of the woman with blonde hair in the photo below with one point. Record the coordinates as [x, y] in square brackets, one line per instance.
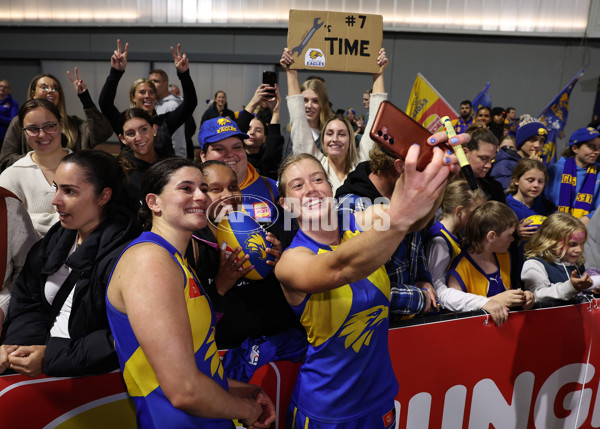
[343, 294]
[330, 140]
[77, 133]
[554, 267]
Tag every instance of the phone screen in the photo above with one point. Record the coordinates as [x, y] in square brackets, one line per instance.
[270, 78]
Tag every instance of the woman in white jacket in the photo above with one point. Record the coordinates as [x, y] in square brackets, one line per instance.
[306, 114]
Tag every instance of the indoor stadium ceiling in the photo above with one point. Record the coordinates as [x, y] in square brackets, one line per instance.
[562, 18]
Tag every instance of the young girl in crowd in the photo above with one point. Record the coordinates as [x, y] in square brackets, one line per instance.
[554, 268]
[260, 120]
[443, 243]
[525, 195]
[574, 184]
[484, 265]
[138, 132]
[509, 142]
[531, 136]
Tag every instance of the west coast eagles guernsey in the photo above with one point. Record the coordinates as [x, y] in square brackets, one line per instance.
[474, 280]
[347, 372]
[153, 409]
[453, 242]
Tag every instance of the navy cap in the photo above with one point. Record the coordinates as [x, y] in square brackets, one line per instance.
[217, 129]
[583, 135]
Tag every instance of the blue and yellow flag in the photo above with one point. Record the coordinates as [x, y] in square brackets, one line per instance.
[555, 118]
[483, 99]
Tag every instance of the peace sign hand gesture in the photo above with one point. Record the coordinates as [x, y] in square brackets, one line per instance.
[79, 85]
[181, 60]
[119, 58]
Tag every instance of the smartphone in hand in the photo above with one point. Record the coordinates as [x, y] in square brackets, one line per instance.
[270, 78]
[396, 132]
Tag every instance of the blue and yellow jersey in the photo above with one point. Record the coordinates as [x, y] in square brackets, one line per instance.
[347, 372]
[453, 242]
[460, 125]
[153, 408]
[474, 280]
[256, 188]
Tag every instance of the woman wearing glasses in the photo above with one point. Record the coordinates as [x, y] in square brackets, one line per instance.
[31, 177]
[78, 133]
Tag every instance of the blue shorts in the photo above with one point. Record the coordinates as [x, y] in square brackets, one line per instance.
[382, 418]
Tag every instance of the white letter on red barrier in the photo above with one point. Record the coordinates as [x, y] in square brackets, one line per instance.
[489, 406]
[596, 414]
[454, 407]
[419, 408]
[544, 416]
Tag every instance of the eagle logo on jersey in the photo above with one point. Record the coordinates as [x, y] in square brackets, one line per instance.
[359, 328]
[213, 354]
[256, 244]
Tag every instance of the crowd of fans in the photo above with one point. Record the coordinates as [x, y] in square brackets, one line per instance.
[70, 215]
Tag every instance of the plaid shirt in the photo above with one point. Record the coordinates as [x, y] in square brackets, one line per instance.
[405, 268]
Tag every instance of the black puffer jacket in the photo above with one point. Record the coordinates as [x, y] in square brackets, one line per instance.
[90, 350]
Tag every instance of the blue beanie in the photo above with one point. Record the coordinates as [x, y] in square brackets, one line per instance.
[583, 135]
[529, 127]
[217, 129]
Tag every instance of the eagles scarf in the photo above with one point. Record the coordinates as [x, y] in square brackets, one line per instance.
[569, 201]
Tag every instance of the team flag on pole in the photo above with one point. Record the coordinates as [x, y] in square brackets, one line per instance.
[483, 99]
[555, 118]
[427, 106]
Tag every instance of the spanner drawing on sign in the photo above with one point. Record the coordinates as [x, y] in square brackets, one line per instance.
[298, 49]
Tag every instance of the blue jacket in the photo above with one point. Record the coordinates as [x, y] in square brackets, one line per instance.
[9, 108]
[504, 164]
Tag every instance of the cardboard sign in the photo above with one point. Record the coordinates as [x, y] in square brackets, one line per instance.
[344, 41]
